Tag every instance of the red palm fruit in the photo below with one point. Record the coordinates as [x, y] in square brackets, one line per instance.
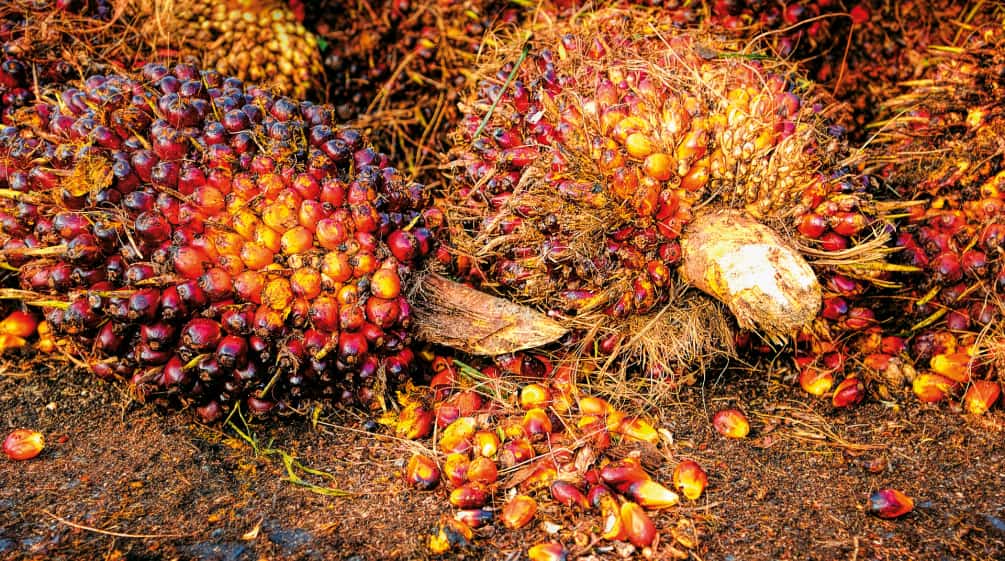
[567, 494]
[352, 348]
[455, 468]
[469, 495]
[483, 470]
[296, 240]
[536, 422]
[981, 396]
[518, 512]
[930, 387]
[201, 334]
[475, 518]
[639, 528]
[382, 313]
[23, 444]
[248, 286]
[690, 479]
[849, 392]
[731, 423]
[414, 422]
[889, 503]
[622, 473]
[549, 551]
[422, 472]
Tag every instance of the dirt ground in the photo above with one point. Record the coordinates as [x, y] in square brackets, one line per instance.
[121, 480]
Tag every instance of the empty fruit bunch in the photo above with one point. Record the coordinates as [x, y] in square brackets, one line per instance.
[607, 165]
[210, 241]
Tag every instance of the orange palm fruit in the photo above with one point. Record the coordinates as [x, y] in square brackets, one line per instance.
[930, 387]
[639, 528]
[690, 479]
[518, 512]
[483, 470]
[981, 396]
[457, 436]
[549, 551]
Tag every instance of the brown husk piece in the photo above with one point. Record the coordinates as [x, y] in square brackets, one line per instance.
[458, 316]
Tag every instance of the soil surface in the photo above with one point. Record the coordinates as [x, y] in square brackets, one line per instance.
[123, 480]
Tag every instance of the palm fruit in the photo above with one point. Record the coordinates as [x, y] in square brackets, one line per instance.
[581, 461]
[211, 242]
[260, 41]
[938, 142]
[600, 191]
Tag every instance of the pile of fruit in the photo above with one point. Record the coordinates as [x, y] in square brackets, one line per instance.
[517, 443]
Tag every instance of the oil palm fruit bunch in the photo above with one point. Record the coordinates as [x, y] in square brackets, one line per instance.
[211, 242]
[517, 443]
[939, 144]
[608, 166]
[260, 41]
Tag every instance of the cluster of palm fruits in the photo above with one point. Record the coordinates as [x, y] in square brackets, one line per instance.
[941, 144]
[601, 164]
[211, 241]
[261, 41]
[516, 442]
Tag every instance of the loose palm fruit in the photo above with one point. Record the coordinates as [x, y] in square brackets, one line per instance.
[731, 423]
[638, 526]
[550, 551]
[422, 472]
[690, 479]
[23, 444]
[518, 512]
[849, 392]
[889, 503]
[174, 257]
[981, 396]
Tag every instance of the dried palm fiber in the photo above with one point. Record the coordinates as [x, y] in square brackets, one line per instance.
[261, 41]
[211, 242]
[610, 163]
[939, 141]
